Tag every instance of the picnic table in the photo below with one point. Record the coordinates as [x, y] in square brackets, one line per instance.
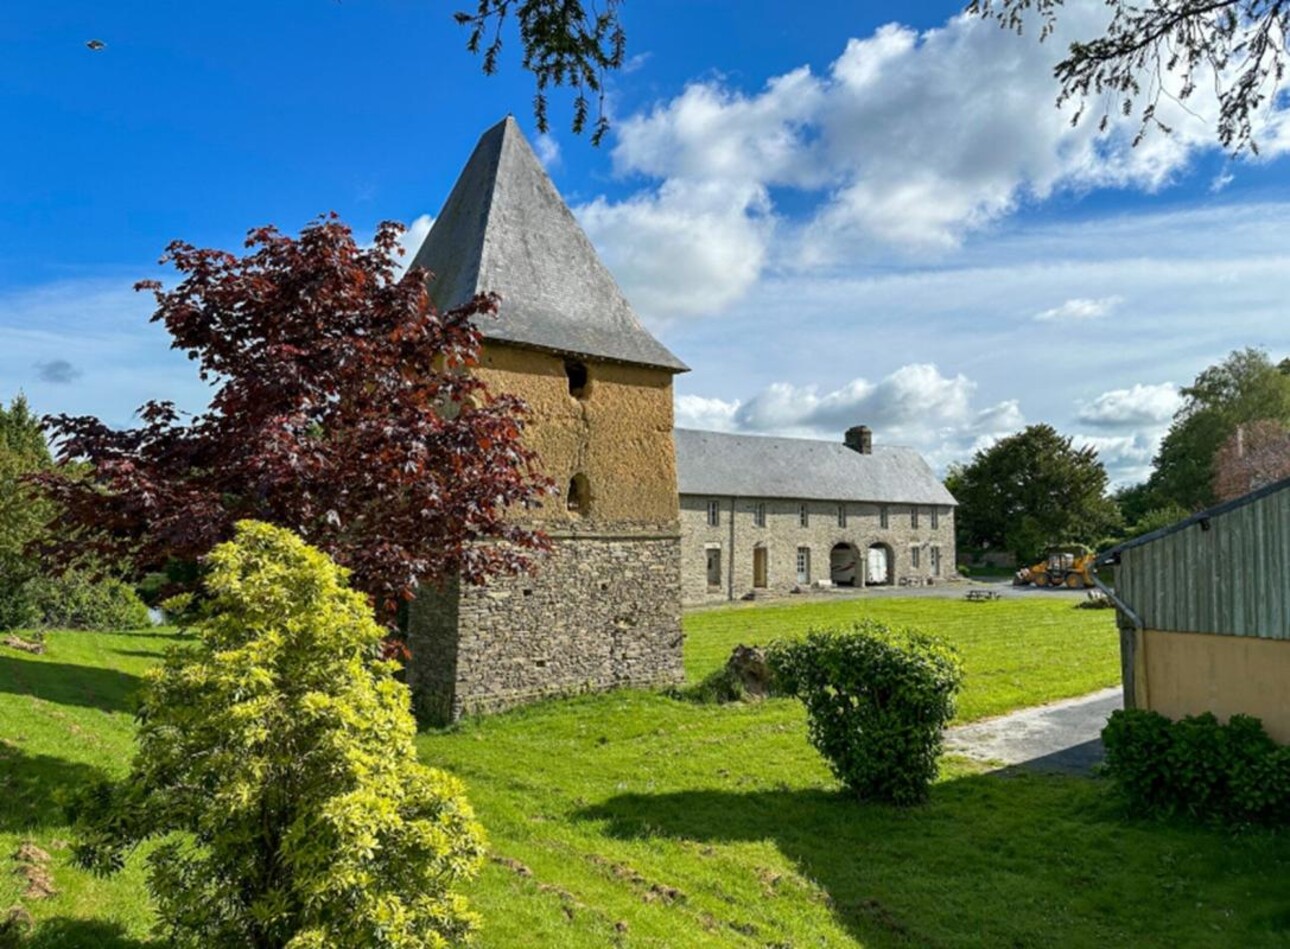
[982, 596]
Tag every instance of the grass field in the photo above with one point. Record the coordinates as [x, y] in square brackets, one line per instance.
[637, 820]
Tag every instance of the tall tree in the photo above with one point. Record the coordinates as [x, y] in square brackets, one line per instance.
[1030, 490]
[344, 410]
[1167, 48]
[1245, 387]
[22, 512]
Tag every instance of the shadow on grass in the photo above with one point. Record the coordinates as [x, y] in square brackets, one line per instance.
[34, 788]
[1008, 860]
[68, 684]
[67, 933]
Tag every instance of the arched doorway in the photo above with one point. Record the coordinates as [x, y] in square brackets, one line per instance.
[844, 565]
[878, 566]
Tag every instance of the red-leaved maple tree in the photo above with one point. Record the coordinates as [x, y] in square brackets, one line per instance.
[344, 410]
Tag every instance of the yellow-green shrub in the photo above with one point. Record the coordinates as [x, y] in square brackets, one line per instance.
[276, 765]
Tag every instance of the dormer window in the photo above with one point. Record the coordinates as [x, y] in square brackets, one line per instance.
[579, 497]
[576, 373]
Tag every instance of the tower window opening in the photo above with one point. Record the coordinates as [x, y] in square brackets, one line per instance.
[576, 373]
[579, 497]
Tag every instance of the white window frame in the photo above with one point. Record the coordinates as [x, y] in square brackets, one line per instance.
[759, 513]
[803, 564]
[913, 557]
[714, 513]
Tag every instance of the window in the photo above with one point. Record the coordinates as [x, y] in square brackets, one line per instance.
[936, 518]
[578, 499]
[714, 568]
[803, 564]
[913, 516]
[803, 516]
[936, 561]
[842, 515]
[759, 514]
[577, 375]
[882, 517]
[913, 557]
[714, 513]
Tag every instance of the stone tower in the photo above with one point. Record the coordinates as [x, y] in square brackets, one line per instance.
[604, 609]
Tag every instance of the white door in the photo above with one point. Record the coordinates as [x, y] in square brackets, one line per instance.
[878, 566]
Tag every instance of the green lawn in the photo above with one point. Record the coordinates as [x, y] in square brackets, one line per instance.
[637, 820]
[1016, 652]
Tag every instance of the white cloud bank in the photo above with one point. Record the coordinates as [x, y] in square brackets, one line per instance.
[907, 143]
[916, 405]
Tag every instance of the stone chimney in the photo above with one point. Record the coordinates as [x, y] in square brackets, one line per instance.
[859, 438]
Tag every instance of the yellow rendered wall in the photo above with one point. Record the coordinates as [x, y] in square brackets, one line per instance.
[619, 435]
[1190, 673]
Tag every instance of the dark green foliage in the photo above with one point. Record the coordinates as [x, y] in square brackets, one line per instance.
[877, 699]
[565, 44]
[1198, 767]
[1245, 387]
[78, 601]
[22, 513]
[1031, 490]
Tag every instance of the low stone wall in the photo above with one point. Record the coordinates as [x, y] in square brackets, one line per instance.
[602, 611]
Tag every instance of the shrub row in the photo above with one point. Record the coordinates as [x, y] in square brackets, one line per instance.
[1198, 767]
[73, 601]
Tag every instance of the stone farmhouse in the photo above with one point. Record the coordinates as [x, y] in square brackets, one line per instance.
[775, 515]
[605, 608]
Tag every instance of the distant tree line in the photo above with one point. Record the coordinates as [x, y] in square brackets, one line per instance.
[1036, 488]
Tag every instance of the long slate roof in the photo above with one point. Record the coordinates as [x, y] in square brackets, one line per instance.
[716, 463]
[505, 228]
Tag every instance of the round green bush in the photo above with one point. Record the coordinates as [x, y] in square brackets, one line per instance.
[877, 700]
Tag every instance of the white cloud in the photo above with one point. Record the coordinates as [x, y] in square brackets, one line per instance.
[548, 151]
[690, 248]
[907, 143]
[1140, 405]
[915, 405]
[1080, 308]
[412, 239]
[1127, 458]
[713, 415]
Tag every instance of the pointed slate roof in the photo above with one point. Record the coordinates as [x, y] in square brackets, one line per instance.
[506, 229]
[760, 466]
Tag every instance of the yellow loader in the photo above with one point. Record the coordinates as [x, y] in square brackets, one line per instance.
[1067, 565]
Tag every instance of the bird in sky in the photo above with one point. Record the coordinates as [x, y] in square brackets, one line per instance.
[96, 45]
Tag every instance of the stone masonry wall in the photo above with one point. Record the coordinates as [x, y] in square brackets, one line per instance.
[737, 535]
[602, 611]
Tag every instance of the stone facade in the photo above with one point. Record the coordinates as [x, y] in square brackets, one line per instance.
[738, 534]
[603, 610]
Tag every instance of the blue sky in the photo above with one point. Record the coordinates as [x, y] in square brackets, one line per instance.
[833, 218]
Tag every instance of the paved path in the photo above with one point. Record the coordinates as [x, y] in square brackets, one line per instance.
[1063, 737]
